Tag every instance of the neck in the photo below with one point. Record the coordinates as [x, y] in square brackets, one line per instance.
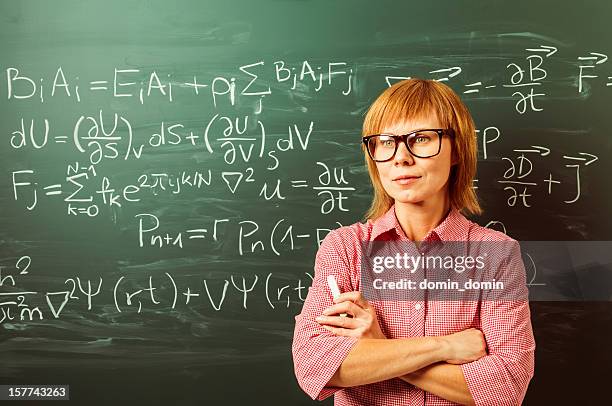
[418, 219]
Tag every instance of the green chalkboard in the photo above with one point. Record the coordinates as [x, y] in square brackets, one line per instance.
[168, 170]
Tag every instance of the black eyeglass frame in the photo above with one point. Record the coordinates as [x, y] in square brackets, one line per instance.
[404, 137]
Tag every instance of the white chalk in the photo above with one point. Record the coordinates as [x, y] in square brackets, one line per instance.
[335, 290]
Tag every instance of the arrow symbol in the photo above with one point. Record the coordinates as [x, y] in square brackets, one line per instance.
[543, 151]
[582, 159]
[544, 48]
[596, 55]
[455, 70]
[592, 156]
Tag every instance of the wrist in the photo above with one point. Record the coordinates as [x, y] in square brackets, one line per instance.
[444, 348]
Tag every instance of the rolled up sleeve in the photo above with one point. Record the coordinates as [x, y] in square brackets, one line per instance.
[502, 376]
[318, 353]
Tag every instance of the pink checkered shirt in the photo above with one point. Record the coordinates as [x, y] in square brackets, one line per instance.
[499, 378]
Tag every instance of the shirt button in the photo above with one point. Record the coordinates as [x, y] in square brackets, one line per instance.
[417, 306]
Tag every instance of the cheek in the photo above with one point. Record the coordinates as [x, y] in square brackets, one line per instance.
[383, 173]
[438, 171]
[442, 172]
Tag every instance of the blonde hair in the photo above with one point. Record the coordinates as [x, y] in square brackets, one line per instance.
[414, 98]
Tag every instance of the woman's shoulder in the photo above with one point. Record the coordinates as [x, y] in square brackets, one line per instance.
[481, 233]
[354, 233]
[496, 245]
[348, 237]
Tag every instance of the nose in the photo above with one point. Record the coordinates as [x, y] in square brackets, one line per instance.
[403, 155]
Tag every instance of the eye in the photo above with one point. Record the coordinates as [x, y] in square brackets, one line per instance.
[422, 138]
[386, 141]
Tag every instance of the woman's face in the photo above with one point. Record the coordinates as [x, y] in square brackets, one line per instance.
[431, 174]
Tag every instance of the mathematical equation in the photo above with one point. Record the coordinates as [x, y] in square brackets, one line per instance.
[331, 184]
[133, 83]
[245, 156]
[162, 291]
[523, 77]
[527, 74]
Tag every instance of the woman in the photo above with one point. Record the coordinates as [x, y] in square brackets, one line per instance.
[420, 148]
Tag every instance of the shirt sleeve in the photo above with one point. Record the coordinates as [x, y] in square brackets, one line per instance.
[502, 376]
[318, 353]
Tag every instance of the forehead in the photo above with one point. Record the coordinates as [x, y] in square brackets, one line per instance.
[409, 125]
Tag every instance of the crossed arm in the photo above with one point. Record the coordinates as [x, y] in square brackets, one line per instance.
[500, 377]
[421, 364]
[455, 367]
[442, 379]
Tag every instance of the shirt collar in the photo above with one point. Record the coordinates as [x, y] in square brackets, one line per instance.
[454, 227]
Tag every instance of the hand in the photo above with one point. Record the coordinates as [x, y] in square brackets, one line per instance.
[363, 324]
[465, 346]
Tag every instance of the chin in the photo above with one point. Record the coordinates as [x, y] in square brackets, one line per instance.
[408, 201]
[402, 198]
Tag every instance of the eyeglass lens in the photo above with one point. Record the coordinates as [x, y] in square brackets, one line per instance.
[422, 144]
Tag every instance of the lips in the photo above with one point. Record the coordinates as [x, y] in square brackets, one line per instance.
[406, 177]
[406, 180]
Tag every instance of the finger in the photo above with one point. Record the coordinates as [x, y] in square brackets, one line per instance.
[345, 307]
[339, 331]
[337, 321]
[337, 308]
[355, 297]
